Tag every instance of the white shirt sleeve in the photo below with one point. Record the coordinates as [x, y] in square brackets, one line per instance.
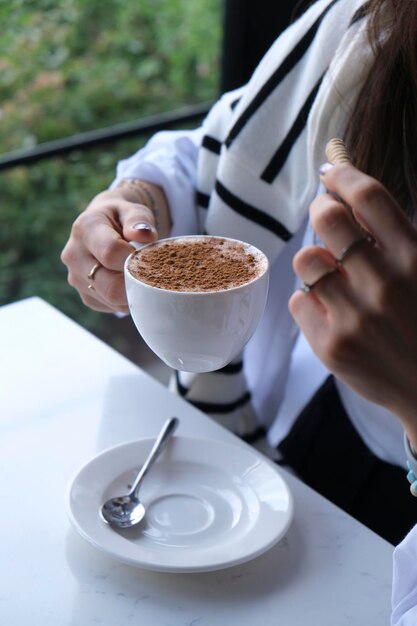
[404, 584]
[169, 160]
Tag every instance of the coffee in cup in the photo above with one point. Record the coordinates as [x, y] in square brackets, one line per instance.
[196, 300]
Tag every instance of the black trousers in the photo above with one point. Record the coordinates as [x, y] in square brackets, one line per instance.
[327, 453]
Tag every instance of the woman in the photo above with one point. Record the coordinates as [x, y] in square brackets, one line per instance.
[345, 68]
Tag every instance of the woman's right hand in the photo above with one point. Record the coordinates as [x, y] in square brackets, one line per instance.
[101, 234]
[360, 313]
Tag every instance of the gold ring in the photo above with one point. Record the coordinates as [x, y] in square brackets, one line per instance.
[91, 274]
[91, 286]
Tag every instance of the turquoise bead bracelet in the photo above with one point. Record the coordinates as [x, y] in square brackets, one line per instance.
[412, 479]
[412, 466]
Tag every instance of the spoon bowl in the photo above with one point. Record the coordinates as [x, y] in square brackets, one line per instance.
[127, 510]
[123, 511]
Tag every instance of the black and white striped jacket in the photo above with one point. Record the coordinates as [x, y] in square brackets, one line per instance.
[259, 160]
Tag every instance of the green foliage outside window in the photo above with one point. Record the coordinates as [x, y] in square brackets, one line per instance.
[73, 66]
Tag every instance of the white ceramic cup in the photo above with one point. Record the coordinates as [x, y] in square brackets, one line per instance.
[198, 331]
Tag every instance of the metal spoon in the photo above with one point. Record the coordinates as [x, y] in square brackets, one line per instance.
[126, 511]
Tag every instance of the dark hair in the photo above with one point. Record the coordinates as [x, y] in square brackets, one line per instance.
[382, 132]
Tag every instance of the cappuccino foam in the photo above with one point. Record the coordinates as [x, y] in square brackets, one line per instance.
[198, 264]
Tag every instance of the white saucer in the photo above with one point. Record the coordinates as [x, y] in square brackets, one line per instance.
[209, 505]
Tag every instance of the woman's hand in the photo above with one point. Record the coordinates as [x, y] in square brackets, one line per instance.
[101, 234]
[360, 317]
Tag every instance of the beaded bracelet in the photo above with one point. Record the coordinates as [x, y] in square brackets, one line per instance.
[412, 465]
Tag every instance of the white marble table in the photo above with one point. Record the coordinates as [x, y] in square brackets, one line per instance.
[64, 397]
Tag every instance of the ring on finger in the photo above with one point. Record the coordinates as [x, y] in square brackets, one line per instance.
[91, 274]
[346, 250]
[91, 287]
[307, 287]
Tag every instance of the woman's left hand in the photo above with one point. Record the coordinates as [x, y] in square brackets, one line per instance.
[360, 315]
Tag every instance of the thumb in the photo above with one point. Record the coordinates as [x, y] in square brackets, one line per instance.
[138, 223]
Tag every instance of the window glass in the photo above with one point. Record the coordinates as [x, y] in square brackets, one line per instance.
[70, 67]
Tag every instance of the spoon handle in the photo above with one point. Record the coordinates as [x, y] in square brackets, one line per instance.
[160, 443]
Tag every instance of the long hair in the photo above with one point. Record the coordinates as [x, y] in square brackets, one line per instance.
[382, 132]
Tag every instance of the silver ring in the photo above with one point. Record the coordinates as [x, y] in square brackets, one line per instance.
[306, 287]
[353, 244]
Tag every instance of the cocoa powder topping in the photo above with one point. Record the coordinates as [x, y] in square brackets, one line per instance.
[196, 264]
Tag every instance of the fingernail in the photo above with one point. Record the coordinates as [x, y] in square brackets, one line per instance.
[142, 226]
[326, 167]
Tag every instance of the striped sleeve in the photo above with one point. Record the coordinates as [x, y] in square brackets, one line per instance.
[255, 180]
[258, 168]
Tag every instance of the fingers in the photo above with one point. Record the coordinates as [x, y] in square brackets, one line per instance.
[105, 293]
[309, 314]
[312, 264]
[95, 235]
[361, 316]
[372, 205]
[106, 229]
[94, 304]
[138, 224]
[336, 274]
[334, 224]
[324, 280]
[101, 234]
[107, 285]
[352, 249]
